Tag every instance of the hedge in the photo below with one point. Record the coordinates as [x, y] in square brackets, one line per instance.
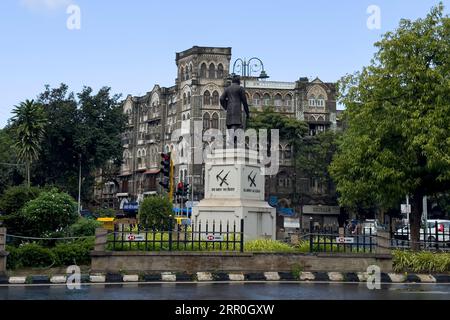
[62, 254]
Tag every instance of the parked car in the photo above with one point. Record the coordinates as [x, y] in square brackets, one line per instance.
[370, 226]
[435, 230]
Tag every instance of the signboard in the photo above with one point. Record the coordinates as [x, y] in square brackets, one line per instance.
[214, 237]
[406, 208]
[291, 223]
[345, 240]
[273, 201]
[286, 211]
[325, 210]
[135, 237]
[131, 206]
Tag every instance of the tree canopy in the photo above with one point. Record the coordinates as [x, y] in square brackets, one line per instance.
[85, 127]
[397, 139]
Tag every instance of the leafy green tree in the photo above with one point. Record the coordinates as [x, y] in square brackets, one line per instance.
[16, 197]
[10, 169]
[28, 125]
[84, 227]
[82, 128]
[11, 203]
[397, 138]
[290, 129]
[316, 153]
[155, 212]
[49, 213]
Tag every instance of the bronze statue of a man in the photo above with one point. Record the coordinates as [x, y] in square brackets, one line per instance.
[232, 100]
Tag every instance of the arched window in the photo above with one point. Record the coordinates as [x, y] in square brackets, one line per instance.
[321, 101]
[278, 100]
[184, 117]
[220, 71]
[203, 70]
[215, 98]
[266, 99]
[312, 101]
[206, 98]
[215, 121]
[206, 121]
[256, 99]
[189, 98]
[288, 153]
[288, 100]
[212, 71]
[187, 73]
[184, 99]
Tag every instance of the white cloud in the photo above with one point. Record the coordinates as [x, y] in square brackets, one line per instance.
[46, 5]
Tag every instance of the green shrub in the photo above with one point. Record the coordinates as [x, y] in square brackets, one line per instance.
[37, 256]
[84, 227]
[427, 262]
[155, 212]
[74, 253]
[50, 212]
[34, 255]
[11, 202]
[263, 245]
[16, 197]
[13, 259]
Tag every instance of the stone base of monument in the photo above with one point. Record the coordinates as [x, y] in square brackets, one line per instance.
[234, 190]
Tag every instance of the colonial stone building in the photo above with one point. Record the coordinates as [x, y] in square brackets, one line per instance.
[201, 79]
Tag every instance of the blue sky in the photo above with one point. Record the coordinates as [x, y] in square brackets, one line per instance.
[130, 45]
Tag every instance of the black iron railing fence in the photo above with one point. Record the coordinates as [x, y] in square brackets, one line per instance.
[203, 236]
[329, 239]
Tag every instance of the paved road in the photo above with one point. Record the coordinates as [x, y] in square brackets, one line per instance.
[234, 291]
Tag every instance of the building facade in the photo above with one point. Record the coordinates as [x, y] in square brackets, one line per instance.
[201, 79]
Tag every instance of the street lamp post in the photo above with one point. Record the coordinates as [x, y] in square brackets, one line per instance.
[245, 68]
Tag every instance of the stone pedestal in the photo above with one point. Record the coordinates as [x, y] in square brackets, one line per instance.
[234, 190]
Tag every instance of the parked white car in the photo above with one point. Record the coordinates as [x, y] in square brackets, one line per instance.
[370, 226]
[429, 233]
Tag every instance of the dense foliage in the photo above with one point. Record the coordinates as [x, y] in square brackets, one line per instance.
[50, 212]
[397, 137]
[62, 254]
[155, 212]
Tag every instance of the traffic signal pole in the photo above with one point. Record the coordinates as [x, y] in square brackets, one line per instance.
[171, 180]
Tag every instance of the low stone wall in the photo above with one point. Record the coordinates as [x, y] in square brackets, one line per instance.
[191, 262]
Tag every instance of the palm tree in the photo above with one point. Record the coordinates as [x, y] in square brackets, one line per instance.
[29, 126]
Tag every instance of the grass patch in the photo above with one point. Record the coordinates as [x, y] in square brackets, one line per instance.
[421, 262]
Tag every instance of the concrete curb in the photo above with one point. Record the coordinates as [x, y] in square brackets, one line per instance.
[330, 277]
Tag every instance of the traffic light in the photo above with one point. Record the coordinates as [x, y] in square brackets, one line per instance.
[186, 189]
[166, 171]
[180, 189]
